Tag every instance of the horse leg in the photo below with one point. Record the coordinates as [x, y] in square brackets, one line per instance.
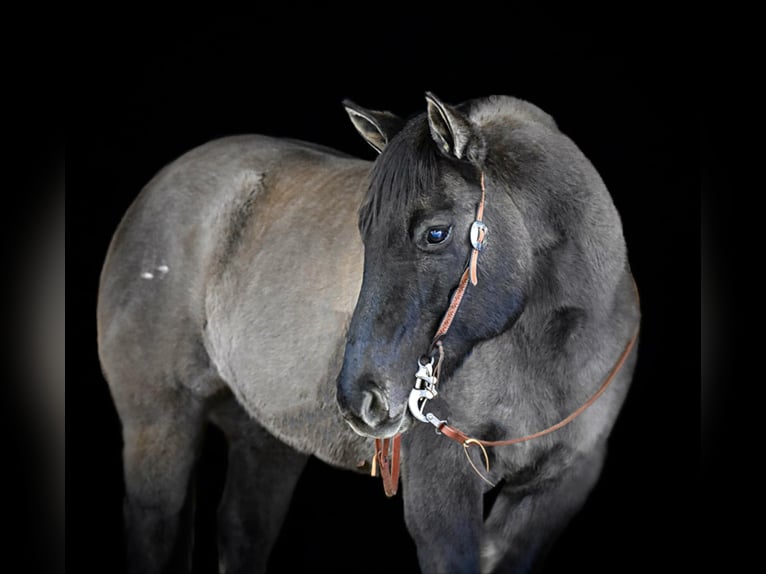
[442, 503]
[161, 442]
[261, 476]
[526, 519]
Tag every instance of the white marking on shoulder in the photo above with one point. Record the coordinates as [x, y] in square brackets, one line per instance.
[163, 269]
[147, 275]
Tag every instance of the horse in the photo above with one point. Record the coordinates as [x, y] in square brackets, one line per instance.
[238, 291]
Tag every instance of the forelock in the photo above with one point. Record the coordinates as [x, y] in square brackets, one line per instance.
[404, 171]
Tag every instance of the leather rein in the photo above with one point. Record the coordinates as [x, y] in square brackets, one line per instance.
[387, 451]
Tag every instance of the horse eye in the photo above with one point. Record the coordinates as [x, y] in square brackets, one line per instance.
[438, 234]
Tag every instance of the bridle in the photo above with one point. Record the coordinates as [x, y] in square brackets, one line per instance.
[428, 372]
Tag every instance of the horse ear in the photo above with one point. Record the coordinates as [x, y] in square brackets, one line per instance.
[377, 128]
[449, 128]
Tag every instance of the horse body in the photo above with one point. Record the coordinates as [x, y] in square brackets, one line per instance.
[218, 280]
[238, 273]
[554, 307]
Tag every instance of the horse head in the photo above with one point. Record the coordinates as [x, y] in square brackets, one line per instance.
[415, 222]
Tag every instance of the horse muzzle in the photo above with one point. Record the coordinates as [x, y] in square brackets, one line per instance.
[372, 410]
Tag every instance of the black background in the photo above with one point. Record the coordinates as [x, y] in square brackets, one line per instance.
[620, 87]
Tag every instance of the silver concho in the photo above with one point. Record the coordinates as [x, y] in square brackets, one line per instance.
[479, 235]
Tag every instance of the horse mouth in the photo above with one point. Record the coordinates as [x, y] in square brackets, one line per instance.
[387, 428]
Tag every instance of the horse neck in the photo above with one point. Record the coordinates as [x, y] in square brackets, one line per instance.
[574, 303]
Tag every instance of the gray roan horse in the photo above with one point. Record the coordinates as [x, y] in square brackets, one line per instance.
[238, 290]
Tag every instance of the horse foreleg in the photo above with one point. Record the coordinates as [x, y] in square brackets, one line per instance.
[442, 503]
[526, 519]
[160, 448]
[261, 476]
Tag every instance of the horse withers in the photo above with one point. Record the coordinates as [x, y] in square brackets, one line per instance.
[240, 263]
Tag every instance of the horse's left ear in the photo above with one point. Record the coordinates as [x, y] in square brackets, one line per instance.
[377, 128]
[451, 130]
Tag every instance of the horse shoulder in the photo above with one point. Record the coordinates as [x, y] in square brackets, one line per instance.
[280, 294]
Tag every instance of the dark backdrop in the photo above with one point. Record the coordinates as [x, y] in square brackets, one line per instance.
[617, 87]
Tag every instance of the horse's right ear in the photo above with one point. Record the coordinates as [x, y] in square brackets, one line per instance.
[377, 128]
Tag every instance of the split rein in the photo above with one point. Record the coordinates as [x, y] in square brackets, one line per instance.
[387, 450]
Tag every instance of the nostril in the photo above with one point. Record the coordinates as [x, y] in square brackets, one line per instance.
[374, 409]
